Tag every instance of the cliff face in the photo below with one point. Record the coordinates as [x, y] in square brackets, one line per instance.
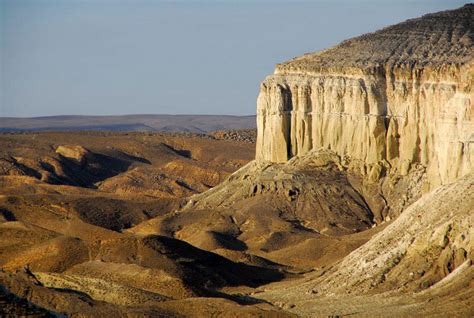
[393, 99]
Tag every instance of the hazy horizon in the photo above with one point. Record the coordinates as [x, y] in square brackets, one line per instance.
[115, 58]
[125, 115]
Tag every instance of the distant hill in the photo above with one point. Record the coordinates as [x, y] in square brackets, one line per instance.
[162, 123]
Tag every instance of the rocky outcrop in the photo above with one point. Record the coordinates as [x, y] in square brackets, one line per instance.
[394, 99]
[77, 153]
[313, 191]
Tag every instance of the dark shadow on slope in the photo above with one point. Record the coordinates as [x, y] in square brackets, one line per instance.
[95, 168]
[13, 306]
[7, 215]
[180, 152]
[228, 241]
[130, 157]
[25, 169]
[205, 271]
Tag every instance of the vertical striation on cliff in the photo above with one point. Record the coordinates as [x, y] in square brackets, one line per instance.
[393, 99]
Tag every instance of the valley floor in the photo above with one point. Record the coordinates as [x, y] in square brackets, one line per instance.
[150, 224]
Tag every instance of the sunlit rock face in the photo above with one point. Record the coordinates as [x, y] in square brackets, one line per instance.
[393, 99]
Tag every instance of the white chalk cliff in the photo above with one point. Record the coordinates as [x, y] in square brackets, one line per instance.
[394, 99]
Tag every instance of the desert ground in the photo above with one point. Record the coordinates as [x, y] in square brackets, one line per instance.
[142, 228]
[69, 202]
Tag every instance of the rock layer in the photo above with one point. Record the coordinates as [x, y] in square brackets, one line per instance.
[392, 99]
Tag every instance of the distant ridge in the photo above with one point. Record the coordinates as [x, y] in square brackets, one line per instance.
[158, 123]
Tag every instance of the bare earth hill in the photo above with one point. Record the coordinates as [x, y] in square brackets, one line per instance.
[66, 199]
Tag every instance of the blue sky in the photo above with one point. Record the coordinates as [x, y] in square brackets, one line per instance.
[112, 57]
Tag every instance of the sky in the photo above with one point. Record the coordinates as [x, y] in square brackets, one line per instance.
[114, 57]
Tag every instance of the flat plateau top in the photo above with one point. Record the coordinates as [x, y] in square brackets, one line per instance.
[434, 39]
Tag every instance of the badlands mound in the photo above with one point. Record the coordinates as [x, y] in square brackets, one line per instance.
[421, 263]
[66, 199]
[284, 213]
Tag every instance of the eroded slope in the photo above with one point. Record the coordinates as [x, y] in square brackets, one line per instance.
[428, 250]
